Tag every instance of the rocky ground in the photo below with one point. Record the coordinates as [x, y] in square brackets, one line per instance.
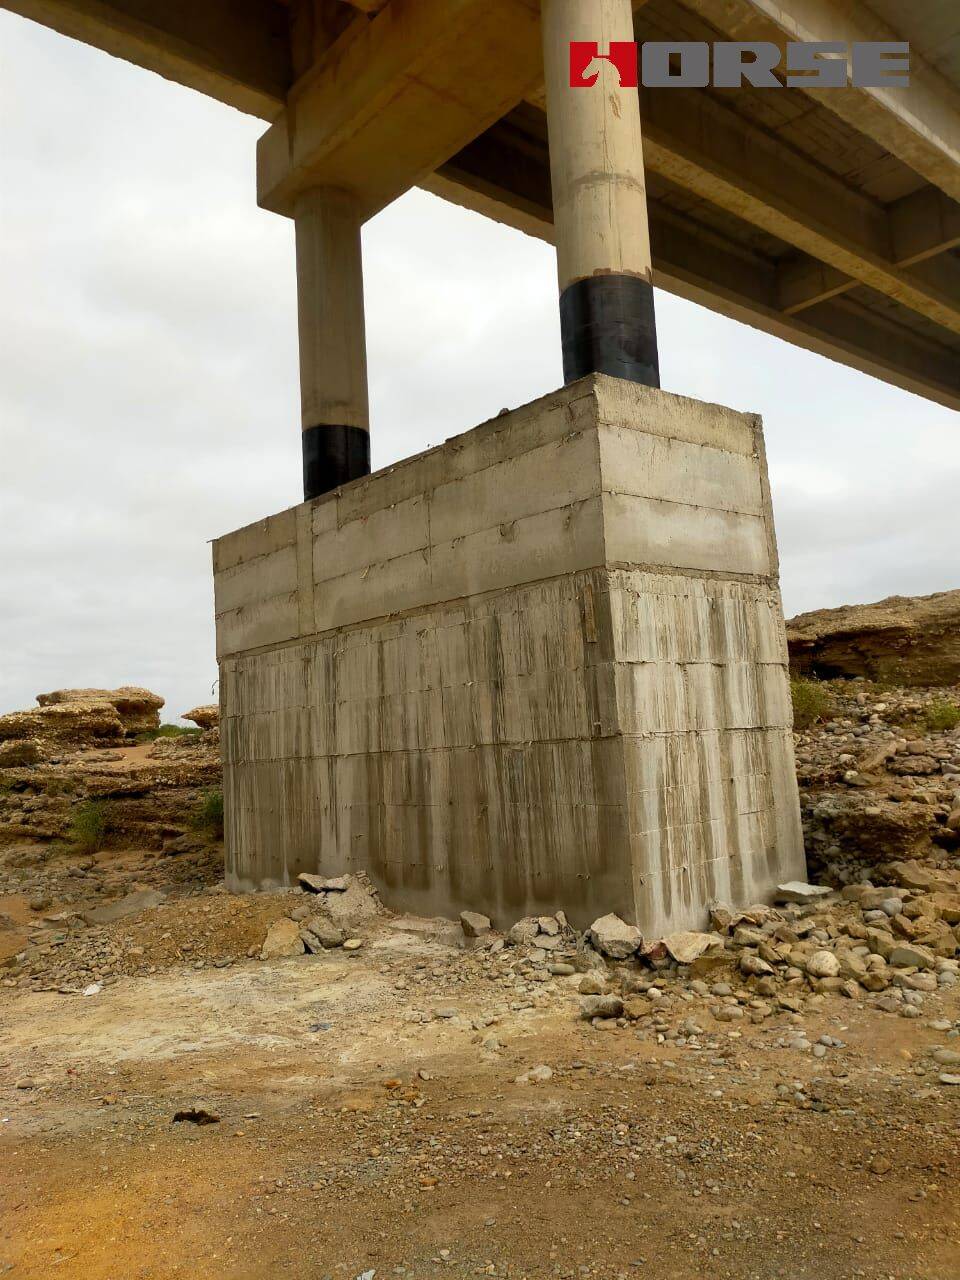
[364, 1094]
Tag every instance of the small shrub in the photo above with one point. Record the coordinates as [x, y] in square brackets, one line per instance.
[940, 716]
[811, 702]
[208, 816]
[90, 825]
[167, 731]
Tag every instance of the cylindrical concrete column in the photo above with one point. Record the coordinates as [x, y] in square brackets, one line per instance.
[599, 199]
[333, 350]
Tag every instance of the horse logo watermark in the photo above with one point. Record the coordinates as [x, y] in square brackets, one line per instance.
[728, 64]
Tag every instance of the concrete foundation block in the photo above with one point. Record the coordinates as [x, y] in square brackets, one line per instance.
[542, 666]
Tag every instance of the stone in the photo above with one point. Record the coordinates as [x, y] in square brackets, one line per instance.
[753, 966]
[823, 964]
[320, 934]
[921, 879]
[600, 1007]
[637, 1007]
[948, 906]
[347, 901]
[799, 891]
[722, 916]
[323, 884]
[946, 1077]
[20, 754]
[911, 957]
[686, 946]
[282, 940]
[592, 984]
[204, 717]
[536, 1075]
[524, 931]
[923, 981]
[473, 924]
[130, 905]
[614, 937]
[353, 944]
[946, 1057]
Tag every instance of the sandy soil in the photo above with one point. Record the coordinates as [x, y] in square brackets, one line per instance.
[356, 1137]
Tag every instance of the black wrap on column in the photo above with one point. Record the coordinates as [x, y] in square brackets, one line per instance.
[333, 455]
[607, 325]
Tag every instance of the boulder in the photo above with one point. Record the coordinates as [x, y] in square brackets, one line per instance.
[323, 884]
[911, 957]
[524, 931]
[320, 934]
[345, 901]
[614, 937]
[904, 640]
[800, 891]
[600, 1007]
[823, 964]
[205, 717]
[130, 905]
[685, 947]
[473, 924]
[282, 940]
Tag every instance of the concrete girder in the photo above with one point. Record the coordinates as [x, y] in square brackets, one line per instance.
[699, 145]
[237, 51]
[920, 124]
[395, 97]
[503, 176]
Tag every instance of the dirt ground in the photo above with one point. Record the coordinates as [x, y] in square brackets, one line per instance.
[371, 1121]
[372, 1111]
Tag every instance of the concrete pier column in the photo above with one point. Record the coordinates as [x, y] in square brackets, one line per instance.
[599, 199]
[333, 354]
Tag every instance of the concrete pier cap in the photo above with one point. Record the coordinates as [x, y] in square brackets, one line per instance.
[540, 666]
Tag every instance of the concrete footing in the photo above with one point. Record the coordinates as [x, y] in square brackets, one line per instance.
[541, 666]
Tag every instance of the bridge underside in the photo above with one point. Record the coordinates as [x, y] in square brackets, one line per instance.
[829, 218]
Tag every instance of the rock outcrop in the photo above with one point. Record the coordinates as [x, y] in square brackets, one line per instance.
[64, 723]
[83, 716]
[903, 640]
[138, 709]
[205, 717]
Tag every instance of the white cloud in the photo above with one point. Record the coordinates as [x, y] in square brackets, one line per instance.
[148, 378]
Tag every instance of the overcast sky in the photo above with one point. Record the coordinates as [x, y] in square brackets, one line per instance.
[148, 379]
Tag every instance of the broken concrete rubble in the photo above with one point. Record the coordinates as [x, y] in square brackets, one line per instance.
[614, 937]
[282, 940]
[474, 924]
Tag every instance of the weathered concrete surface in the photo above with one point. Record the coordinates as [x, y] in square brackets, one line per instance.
[540, 666]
